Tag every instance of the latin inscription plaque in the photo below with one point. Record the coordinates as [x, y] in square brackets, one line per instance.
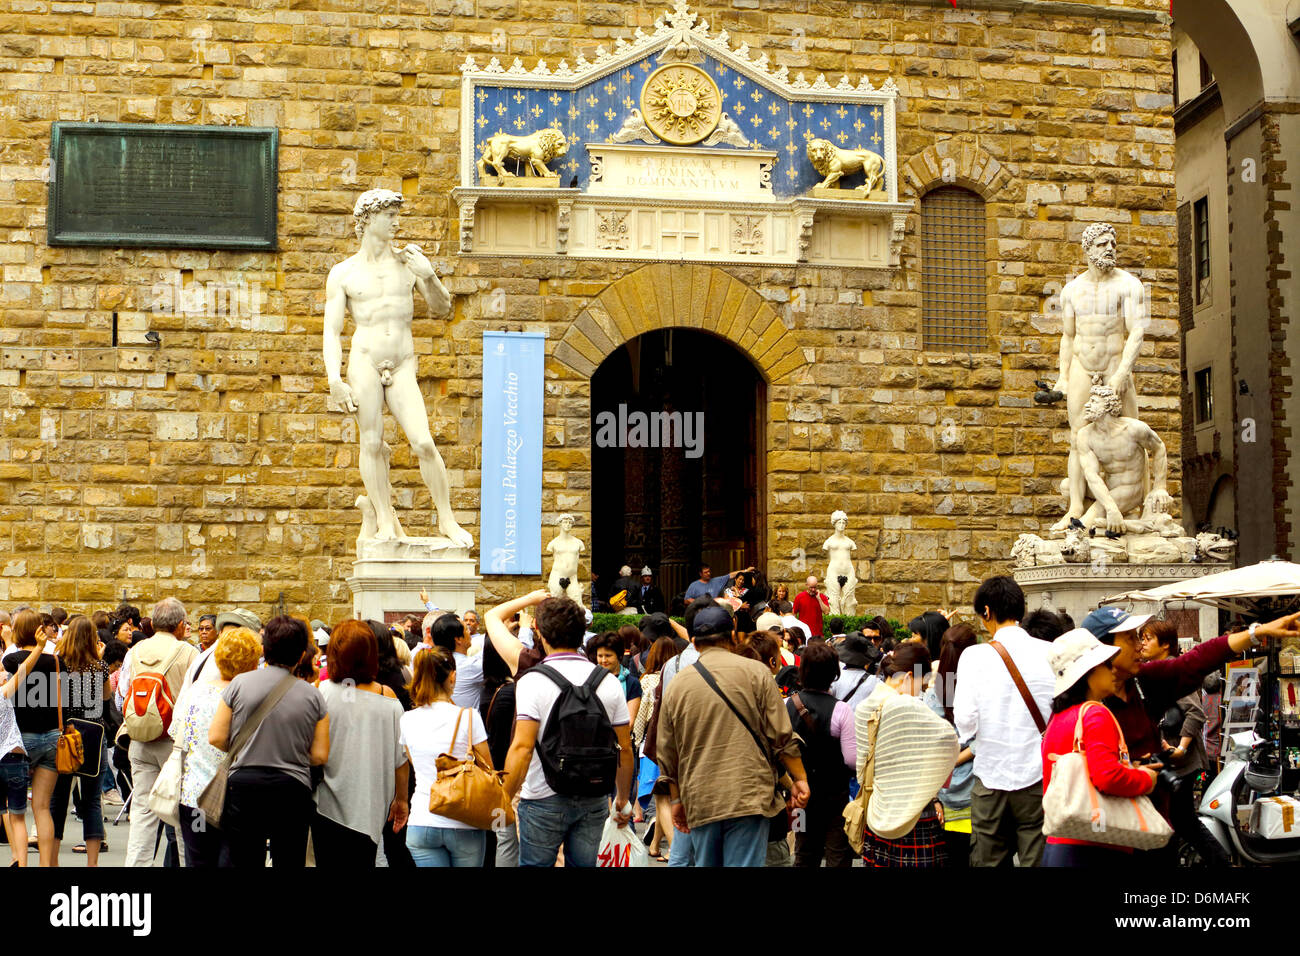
[191, 187]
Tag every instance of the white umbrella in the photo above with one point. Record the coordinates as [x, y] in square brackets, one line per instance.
[1232, 590]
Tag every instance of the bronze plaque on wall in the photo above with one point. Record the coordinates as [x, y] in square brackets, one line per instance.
[145, 184]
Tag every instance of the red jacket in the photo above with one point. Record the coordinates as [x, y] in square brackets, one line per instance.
[809, 610]
[1101, 747]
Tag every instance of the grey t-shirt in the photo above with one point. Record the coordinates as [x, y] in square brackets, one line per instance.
[283, 742]
[365, 751]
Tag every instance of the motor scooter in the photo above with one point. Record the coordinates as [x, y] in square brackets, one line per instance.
[1251, 768]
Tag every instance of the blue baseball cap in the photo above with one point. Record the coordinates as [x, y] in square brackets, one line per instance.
[712, 620]
[1102, 622]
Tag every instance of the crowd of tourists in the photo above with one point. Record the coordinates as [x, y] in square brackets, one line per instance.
[751, 732]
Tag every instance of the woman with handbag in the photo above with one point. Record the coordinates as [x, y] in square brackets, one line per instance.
[364, 786]
[37, 714]
[1081, 723]
[237, 652]
[267, 796]
[903, 762]
[83, 702]
[15, 774]
[435, 727]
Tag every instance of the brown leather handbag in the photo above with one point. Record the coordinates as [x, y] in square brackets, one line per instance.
[467, 789]
[70, 752]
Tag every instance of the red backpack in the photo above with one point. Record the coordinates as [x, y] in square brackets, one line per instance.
[148, 703]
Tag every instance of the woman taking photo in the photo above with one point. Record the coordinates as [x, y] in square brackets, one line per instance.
[427, 733]
[38, 722]
[85, 690]
[1084, 679]
[364, 787]
[237, 652]
[269, 795]
[925, 760]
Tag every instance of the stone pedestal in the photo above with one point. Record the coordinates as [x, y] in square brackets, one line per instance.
[1079, 588]
[388, 576]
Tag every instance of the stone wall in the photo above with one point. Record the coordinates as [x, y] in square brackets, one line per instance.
[209, 466]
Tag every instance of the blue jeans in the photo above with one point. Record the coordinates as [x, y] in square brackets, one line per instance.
[740, 841]
[41, 749]
[679, 854]
[574, 822]
[446, 846]
[1079, 855]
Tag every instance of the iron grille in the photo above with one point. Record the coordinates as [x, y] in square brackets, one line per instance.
[953, 271]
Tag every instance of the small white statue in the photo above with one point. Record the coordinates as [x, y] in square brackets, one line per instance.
[564, 572]
[841, 580]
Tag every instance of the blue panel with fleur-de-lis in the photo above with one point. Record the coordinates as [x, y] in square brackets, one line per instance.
[594, 112]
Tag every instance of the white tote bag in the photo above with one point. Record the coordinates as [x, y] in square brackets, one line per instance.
[1075, 810]
[165, 798]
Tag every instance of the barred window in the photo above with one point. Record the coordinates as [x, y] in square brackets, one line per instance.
[953, 269]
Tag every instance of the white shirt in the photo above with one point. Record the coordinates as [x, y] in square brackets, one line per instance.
[426, 735]
[675, 665]
[848, 679]
[211, 673]
[469, 680]
[987, 706]
[535, 697]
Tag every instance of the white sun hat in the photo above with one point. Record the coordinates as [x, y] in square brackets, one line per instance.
[1075, 653]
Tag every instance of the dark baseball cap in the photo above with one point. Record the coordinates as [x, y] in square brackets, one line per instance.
[1102, 621]
[712, 620]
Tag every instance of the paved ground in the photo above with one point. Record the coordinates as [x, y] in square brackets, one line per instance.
[114, 835]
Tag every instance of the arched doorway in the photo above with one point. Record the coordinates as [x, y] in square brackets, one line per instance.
[677, 426]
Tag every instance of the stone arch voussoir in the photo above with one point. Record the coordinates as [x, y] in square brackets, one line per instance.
[953, 163]
[680, 296]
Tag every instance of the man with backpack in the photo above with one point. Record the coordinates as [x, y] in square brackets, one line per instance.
[152, 675]
[572, 745]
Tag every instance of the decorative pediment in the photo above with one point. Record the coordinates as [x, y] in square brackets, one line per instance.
[688, 107]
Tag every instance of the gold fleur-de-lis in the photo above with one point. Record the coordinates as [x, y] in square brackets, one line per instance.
[738, 107]
[482, 95]
[842, 137]
[519, 97]
[519, 123]
[628, 76]
[791, 148]
[790, 171]
[773, 132]
[610, 88]
[628, 102]
[807, 135]
[739, 83]
[501, 109]
[645, 66]
[875, 138]
[573, 112]
[791, 123]
[482, 121]
[591, 100]
[808, 110]
[757, 95]
[774, 108]
[859, 125]
[592, 127]
[758, 121]
[610, 114]
[555, 99]
[536, 111]
[825, 123]
[875, 114]
[841, 112]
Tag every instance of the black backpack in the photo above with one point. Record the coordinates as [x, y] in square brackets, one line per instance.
[578, 748]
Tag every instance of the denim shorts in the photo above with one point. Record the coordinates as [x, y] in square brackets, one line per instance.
[14, 777]
[42, 750]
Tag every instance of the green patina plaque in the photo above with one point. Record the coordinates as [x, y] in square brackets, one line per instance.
[145, 184]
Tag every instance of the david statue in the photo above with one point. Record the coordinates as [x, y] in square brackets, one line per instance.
[375, 286]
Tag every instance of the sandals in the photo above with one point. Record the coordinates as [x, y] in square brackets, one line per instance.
[81, 847]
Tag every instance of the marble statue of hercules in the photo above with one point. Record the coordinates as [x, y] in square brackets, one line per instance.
[1113, 457]
[1104, 314]
[375, 286]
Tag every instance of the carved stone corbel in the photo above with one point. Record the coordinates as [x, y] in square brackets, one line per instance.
[805, 221]
[896, 238]
[467, 224]
[563, 217]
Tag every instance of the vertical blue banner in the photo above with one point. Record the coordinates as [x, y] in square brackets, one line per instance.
[510, 494]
